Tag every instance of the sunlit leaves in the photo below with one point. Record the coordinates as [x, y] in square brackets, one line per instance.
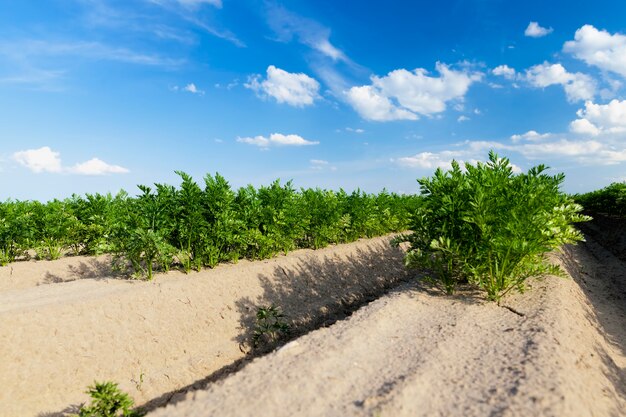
[489, 227]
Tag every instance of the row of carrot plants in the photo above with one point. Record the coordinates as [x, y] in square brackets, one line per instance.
[609, 200]
[193, 226]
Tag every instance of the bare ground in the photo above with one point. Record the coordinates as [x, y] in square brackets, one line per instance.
[558, 350]
[60, 332]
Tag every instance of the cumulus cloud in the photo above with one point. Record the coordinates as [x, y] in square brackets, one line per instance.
[577, 86]
[504, 71]
[584, 127]
[584, 151]
[429, 160]
[403, 95]
[534, 145]
[463, 118]
[374, 105]
[443, 159]
[531, 135]
[535, 31]
[276, 139]
[596, 119]
[45, 159]
[39, 160]
[96, 166]
[295, 89]
[599, 48]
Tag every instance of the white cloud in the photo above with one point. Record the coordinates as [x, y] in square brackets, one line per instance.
[586, 151]
[429, 160]
[463, 118]
[531, 135]
[372, 105]
[535, 31]
[96, 166]
[589, 152]
[318, 162]
[28, 49]
[260, 141]
[39, 160]
[577, 86]
[504, 71]
[46, 160]
[611, 91]
[599, 48]
[443, 159]
[295, 89]
[288, 25]
[596, 119]
[191, 88]
[276, 139]
[584, 127]
[321, 165]
[402, 94]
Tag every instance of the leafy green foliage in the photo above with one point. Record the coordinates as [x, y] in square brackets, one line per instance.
[191, 227]
[271, 325]
[610, 200]
[17, 230]
[95, 213]
[107, 400]
[490, 227]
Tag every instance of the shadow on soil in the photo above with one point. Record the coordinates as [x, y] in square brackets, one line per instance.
[96, 269]
[312, 293]
[599, 268]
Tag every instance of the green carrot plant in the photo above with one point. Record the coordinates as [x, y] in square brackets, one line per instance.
[271, 325]
[107, 400]
[490, 227]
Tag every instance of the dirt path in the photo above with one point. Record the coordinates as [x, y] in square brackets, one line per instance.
[155, 338]
[412, 353]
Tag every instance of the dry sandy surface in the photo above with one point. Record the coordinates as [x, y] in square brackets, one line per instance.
[66, 323]
[558, 350]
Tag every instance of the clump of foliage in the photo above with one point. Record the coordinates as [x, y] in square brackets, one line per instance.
[107, 400]
[16, 230]
[609, 200]
[271, 325]
[489, 227]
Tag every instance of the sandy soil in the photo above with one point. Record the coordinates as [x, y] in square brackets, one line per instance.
[155, 338]
[558, 350]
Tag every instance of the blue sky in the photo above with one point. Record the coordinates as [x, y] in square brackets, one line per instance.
[99, 95]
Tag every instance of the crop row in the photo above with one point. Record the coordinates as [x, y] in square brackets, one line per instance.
[609, 200]
[193, 227]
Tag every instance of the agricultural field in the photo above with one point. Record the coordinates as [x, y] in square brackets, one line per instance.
[175, 298]
[308, 208]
